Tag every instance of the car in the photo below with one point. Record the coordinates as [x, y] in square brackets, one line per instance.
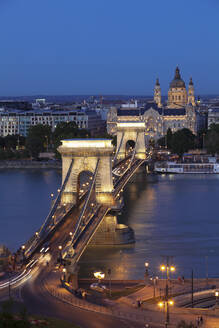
[98, 287]
[45, 248]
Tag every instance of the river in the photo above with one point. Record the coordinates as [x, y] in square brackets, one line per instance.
[175, 215]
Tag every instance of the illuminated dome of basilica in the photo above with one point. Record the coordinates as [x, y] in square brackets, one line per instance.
[177, 82]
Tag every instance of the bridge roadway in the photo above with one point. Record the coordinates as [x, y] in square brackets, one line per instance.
[31, 290]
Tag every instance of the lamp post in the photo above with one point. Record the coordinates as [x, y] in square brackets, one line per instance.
[165, 304]
[110, 282]
[52, 195]
[23, 250]
[60, 253]
[64, 273]
[216, 296]
[47, 144]
[92, 207]
[146, 272]
[167, 268]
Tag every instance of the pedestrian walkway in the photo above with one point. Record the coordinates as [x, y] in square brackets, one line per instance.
[119, 309]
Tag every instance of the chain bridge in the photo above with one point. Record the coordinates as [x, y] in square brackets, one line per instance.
[77, 211]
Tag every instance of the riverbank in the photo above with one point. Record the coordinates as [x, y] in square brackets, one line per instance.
[29, 164]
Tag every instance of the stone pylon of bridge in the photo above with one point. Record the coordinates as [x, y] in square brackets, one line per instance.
[85, 154]
[134, 131]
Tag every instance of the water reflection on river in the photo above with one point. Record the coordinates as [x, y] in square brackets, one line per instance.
[173, 215]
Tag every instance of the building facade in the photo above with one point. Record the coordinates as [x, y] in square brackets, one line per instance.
[16, 122]
[213, 115]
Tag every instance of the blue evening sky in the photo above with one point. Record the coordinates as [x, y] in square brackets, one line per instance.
[107, 46]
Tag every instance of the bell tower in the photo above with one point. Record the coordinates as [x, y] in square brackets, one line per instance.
[191, 93]
[157, 93]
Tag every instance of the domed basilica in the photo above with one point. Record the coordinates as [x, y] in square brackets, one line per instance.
[180, 111]
[177, 94]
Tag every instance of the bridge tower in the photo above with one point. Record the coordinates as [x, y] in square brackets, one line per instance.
[131, 131]
[87, 155]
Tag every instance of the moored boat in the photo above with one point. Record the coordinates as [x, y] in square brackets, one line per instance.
[182, 168]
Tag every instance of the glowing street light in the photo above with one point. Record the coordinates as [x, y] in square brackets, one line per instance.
[168, 269]
[216, 295]
[99, 275]
[64, 273]
[146, 269]
[165, 304]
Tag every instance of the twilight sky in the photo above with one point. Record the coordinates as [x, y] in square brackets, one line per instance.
[107, 46]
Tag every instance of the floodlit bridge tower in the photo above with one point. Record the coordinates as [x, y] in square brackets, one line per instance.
[93, 155]
[131, 131]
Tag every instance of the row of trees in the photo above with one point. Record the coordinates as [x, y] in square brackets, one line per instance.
[40, 138]
[178, 142]
[184, 140]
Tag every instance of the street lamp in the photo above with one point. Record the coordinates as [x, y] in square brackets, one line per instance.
[154, 279]
[146, 271]
[216, 295]
[165, 304]
[70, 234]
[167, 268]
[60, 253]
[64, 273]
[23, 250]
[52, 195]
[99, 275]
[110, 282]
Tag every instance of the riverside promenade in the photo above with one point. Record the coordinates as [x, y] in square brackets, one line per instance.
[125, 307]
[29, 164]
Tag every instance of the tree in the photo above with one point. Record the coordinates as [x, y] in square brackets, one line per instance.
[68, 130]
[7, 319]
[166, 141]
[38, 139]
[212, 139]
[182, 141]
[169, 138]
[10, 142]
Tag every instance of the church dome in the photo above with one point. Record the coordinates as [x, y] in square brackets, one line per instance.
[177, 82]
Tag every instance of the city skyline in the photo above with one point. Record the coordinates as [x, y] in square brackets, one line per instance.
[107, 48]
